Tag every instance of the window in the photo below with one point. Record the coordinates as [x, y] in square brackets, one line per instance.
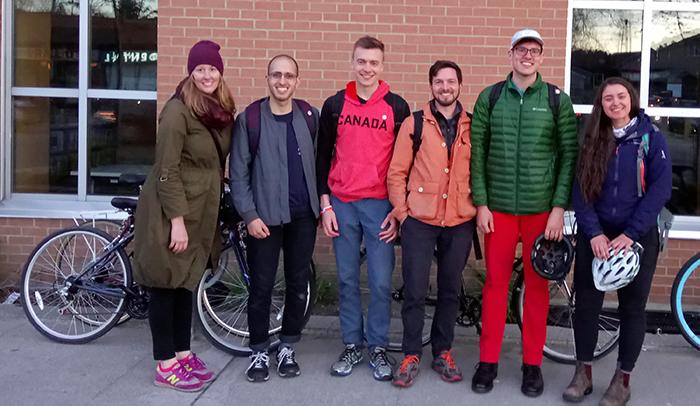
[654, 45]
[83, 107]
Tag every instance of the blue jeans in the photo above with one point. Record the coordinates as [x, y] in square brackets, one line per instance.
[357, 221]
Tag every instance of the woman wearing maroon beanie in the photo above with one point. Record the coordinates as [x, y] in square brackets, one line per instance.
[177, 214]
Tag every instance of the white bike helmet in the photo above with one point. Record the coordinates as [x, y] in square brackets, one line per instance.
[618, 270]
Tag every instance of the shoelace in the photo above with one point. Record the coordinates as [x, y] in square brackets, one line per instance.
[286, 354]
[195, 362]
[447, 356]
[348, 355]
[257, 360]
[380, 358]
[182, 372]
[407, 361]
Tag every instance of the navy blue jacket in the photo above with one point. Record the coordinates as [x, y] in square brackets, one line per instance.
[619, 207]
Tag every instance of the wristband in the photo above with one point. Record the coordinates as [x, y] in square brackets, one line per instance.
[327, 208]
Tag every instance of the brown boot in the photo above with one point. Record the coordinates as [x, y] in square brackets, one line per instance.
[580, 385]
[618, 392]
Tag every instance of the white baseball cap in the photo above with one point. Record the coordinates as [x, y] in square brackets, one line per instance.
[527, 33]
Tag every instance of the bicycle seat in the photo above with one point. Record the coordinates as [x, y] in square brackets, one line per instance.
[125, 203]
[132, 178]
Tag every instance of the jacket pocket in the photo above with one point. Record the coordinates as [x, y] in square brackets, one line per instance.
[423, 200]
[465, 207]
[355, 177]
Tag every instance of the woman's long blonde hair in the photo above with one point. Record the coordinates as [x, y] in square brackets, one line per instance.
[196, 100]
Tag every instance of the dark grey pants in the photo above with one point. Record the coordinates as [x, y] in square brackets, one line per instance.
[418, 242]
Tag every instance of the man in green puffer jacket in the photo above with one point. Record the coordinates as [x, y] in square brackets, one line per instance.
[522, 167]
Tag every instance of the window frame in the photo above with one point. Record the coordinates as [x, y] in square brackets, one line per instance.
[684, 227]
[46, 205]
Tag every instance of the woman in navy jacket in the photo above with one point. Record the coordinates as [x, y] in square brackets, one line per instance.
[623, 180]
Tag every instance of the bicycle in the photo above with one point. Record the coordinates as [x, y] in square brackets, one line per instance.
[559, 345]
[77, 283]
[685, 300]
[222, 297]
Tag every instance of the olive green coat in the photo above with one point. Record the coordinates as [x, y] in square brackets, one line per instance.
[185, 181]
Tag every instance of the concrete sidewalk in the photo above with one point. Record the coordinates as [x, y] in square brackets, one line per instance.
[117, 369]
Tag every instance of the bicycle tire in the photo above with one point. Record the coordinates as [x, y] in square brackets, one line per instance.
[222, 306]
[113, 228]
[560, 345]
[57, 313]
[687, 312]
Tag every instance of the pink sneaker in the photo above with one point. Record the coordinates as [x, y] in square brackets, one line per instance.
[197, 367]
[178, 378]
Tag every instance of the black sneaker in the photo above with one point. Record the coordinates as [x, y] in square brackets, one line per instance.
[533, 384]
[482, 381]
[287, 366]
[259, 368]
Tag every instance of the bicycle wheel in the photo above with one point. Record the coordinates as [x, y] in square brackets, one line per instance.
[113, 228]
[222, 305]
[63, 308]
[685, 302]
[560, 345]
[396, 324]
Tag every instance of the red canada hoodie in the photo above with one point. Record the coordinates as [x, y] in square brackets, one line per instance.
[364, 146]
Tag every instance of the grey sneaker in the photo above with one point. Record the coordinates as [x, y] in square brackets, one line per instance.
[380, 362]
[350, 357]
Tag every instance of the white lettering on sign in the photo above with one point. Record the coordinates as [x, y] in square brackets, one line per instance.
[130, 57]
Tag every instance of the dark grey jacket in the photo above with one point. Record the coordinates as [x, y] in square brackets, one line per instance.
[263, 190]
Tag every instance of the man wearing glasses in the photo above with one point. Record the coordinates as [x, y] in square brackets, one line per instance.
[273, 183]
[523, 157]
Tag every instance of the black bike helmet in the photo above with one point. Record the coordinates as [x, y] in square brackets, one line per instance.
[552, 259]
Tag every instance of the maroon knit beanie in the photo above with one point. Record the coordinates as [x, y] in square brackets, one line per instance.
[207, 53]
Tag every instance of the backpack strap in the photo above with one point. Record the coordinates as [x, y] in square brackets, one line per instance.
[554, 101]
[495, 93]
[252, 119]
[394, 102]
[417, 134]
[642, 153]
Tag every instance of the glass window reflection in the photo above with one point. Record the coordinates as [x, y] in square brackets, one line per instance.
[605, 43]
[123, 50]
[45, 52]
[121, 140]
[674, 80]
[682, 138]
[45, 147]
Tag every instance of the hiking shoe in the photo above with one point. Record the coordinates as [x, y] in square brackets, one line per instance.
[482, 381]
[178, 378]
[287, 366]
[350, 357]
[533, 384]
[445, 365]
[259, 368]
[379, 361]
[197, 367]
[407, 372]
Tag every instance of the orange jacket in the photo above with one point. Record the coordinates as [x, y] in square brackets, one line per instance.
[437, 191]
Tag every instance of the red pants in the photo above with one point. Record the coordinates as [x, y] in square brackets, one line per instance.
[500, 253]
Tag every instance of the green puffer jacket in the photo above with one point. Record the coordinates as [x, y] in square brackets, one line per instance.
[520, 164]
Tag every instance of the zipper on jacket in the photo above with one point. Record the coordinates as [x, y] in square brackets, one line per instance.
[517, 155]
[616, 178]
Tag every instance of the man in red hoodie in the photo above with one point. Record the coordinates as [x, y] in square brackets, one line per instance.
[358, 126]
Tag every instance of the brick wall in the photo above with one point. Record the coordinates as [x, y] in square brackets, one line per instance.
[320, 34]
